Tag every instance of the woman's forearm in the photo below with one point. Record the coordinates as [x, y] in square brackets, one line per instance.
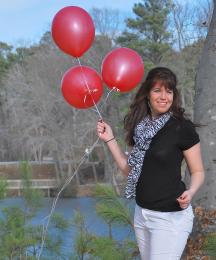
[119, 157]
[106, 134]
[197, 180]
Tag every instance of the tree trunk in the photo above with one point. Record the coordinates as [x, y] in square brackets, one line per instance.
[205, 114]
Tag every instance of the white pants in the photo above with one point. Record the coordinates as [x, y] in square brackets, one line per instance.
[162, 235]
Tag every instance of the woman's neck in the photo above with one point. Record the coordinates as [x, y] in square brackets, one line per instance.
[154, 116]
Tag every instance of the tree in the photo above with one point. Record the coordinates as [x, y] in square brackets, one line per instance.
[7, 58]
[18, 237]
[182, 17]
[32, 197]
[111, 208]
[148, 32]
[3, 187]
[205, 114]
[203, 15]
[5, 53]
[184, 63]
[38, 122]
[106, 21]
[189, 22]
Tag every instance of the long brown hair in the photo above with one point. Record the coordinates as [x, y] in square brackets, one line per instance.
[140, 108]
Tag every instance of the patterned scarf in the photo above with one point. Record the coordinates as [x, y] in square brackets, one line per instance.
[143, 134]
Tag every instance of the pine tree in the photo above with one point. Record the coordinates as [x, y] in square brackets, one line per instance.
[114, 211]
[148, 32]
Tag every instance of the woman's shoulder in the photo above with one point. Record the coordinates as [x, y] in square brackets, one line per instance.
[186, 132]
[181, 126]
[182, 122]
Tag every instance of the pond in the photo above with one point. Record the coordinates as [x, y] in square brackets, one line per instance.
[67, 208]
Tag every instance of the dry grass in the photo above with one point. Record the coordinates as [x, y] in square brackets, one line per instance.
[204, 226]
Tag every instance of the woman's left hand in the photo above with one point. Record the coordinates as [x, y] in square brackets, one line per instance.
[185, 199]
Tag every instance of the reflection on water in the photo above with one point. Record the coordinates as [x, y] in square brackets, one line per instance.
[67, 208]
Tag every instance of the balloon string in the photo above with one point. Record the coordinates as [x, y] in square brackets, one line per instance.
[45, 227]
[114, 88]
[107, 96]
[96, 107]
[67, 182]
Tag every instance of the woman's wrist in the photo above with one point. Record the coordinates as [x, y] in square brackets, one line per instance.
[111, 139]
[192, 192]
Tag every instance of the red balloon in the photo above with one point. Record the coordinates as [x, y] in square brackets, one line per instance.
[82, 86]
[73, 30]
[122, 68]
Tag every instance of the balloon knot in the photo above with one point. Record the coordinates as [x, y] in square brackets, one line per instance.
[116, 89]
[87, 152]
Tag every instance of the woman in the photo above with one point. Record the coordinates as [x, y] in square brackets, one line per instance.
[159, 137]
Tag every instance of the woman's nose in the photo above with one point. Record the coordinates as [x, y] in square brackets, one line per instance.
[163, 95]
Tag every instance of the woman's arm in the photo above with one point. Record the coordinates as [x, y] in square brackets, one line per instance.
[195, 165]
[106, 134]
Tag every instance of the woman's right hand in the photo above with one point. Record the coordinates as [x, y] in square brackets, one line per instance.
[104, 131]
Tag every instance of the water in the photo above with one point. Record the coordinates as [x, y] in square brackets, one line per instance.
[67, 208]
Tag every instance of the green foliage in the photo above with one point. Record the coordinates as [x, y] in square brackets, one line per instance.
[5, 53]
[111, 207]
[53, 246]
[46, 39]
[83, 238]
[32, 197]
[131, 247]
[58, 221]
[12, 232]
[18, 236]
[210, 245]
[26, 174]
[148, 33]
[3, 187]
[7, 58]
[105, 248]
[98, 247]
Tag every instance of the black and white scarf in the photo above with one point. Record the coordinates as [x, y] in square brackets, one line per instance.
[143, 134]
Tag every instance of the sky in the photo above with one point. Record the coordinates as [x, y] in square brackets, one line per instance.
[23, 22]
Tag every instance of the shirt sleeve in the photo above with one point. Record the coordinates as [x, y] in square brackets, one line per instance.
[188, 136]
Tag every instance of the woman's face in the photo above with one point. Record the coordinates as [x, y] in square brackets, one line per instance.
[160, 99]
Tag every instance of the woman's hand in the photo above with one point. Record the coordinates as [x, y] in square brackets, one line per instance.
[104, 131]
[185, 199]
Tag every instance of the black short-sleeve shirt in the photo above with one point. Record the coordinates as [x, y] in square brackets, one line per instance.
[160, 181]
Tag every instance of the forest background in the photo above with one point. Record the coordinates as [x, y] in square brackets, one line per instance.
[35, 120]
